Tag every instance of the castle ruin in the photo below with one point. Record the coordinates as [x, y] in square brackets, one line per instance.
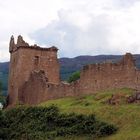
[34, 75]
[24, 60]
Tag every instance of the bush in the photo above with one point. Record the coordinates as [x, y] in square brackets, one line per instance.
[39, 123]
[3, 128]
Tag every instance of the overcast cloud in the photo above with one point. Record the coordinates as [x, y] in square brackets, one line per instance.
[76, 27]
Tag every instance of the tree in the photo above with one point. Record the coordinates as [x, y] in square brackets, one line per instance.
[0, 88]
[2, 98]
[75, 76]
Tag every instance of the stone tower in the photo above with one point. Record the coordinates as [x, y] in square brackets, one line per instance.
[24, 60]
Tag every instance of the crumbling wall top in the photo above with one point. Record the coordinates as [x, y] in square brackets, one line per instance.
[12, 44]
[22, 44]
[127, 60]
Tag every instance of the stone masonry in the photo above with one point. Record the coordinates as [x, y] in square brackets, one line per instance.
[25, 59]
[34, 75]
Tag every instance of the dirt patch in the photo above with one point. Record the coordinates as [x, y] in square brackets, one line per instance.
[121, 98]
[116, 99]
[135, 98]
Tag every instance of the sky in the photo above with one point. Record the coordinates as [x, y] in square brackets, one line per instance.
[76, 27]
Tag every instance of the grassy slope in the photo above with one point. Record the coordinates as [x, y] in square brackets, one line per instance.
[125, 116]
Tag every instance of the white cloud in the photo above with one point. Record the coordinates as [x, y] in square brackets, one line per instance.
[75, 26]
[22, 17]
[94, 27]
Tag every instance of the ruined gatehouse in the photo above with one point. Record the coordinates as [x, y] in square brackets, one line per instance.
[34, 75]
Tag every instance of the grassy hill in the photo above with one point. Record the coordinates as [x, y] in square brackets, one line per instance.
[125, 116]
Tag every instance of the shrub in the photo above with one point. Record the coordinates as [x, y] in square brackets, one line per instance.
[39, 123]
[3, 128]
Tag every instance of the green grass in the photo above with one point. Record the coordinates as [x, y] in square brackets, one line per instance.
[125, 116]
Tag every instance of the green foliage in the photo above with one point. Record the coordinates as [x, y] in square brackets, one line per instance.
[2, 98]
[3, 129]
[4, 80]
[75, 76]
[40, 123]
[0, 88]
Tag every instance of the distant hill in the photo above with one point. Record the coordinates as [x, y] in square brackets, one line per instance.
[68, 65]
[4, 67]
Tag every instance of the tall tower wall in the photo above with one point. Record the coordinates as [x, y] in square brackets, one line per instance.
[25, 59]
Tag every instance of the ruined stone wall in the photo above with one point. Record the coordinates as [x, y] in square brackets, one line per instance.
[13, 78]
[94, 77]
[25, 59]
[37, 89]
[32, 59]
